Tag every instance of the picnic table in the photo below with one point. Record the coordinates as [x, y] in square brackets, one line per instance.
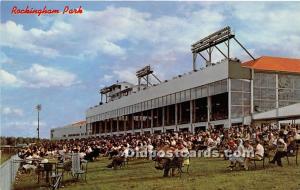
[45, 167]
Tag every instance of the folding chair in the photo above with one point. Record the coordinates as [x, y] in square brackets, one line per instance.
[293, 153]
[262, 160]
[76, 166]
[56, 180]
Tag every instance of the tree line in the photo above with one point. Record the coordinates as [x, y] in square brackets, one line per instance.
[13, 141]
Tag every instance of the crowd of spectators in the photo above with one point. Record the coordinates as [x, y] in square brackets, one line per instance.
[259, 140]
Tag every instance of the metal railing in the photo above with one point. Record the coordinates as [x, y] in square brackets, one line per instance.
[8, 171]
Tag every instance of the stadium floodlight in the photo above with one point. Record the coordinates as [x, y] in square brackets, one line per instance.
[211, 41]
[105, 90]
[144, 72]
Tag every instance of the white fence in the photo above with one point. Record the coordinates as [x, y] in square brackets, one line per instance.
[8, 171]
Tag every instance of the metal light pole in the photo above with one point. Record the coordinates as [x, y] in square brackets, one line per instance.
[38, 108]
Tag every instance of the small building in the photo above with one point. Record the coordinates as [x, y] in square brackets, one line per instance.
[73, 131]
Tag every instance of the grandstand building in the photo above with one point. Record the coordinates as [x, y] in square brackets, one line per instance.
[221, 94]
[73, 131]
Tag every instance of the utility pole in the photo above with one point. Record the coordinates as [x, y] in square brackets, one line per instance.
[38, 108]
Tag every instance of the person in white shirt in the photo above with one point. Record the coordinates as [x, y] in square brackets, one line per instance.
[173, 142]
[150, 150]
[281, 151]
[126, 152]
[211, 144]
[237, 157]
[258, 153]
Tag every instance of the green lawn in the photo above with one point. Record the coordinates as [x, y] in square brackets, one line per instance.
[205, 173]
[4, 157]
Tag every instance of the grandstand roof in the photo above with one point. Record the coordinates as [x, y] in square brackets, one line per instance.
[79, 123]
[267, 63]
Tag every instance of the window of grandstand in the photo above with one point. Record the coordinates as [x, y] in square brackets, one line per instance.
[200, 110]
[219, 107]
[183, 114]
[288, 89]
[240, 98]
[170, 115]
[146, 119]
[264, 91]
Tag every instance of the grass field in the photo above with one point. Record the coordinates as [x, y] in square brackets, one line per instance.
[205, 173]
[4, 157]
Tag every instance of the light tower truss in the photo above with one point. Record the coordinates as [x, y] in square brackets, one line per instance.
[144, 74]
[211, 42]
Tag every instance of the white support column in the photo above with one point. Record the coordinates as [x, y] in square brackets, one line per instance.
[277, 97]
[191, 116]
[163, 119]
[229, 102]
[152, 118]
[208, 110]
[87, 126]
[176, 122]
[252, 92]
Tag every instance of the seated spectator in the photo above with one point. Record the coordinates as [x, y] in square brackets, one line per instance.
[251, 155]
[237, 156]
[281, 151]
[248, 154]
[291, 145]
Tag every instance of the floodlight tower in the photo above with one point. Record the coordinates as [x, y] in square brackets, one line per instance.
[211, 41]
[144, 74]
[38, 108]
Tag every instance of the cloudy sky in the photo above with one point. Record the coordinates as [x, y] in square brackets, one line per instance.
[61, 61]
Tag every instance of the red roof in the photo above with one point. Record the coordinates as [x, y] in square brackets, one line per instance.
[267, 63]
[79, 123]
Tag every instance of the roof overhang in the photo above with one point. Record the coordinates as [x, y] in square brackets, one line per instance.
[283, 113]
[277, 64]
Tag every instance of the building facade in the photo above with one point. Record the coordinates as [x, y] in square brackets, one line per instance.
[276, 88]
[222, 94]
[189, 102]
[73, 131]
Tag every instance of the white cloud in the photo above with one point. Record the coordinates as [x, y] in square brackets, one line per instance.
[38, 76]
[110, 48]
[24, 124]
[270, 27]
[12, 111]
[124, 33]
[105, 30]
[127, 75]
[8, 79]
[41, 123]
[107, 78]
[4, 59]
[140, 38]
[267, 25]
[30, 40]
[24, 128]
